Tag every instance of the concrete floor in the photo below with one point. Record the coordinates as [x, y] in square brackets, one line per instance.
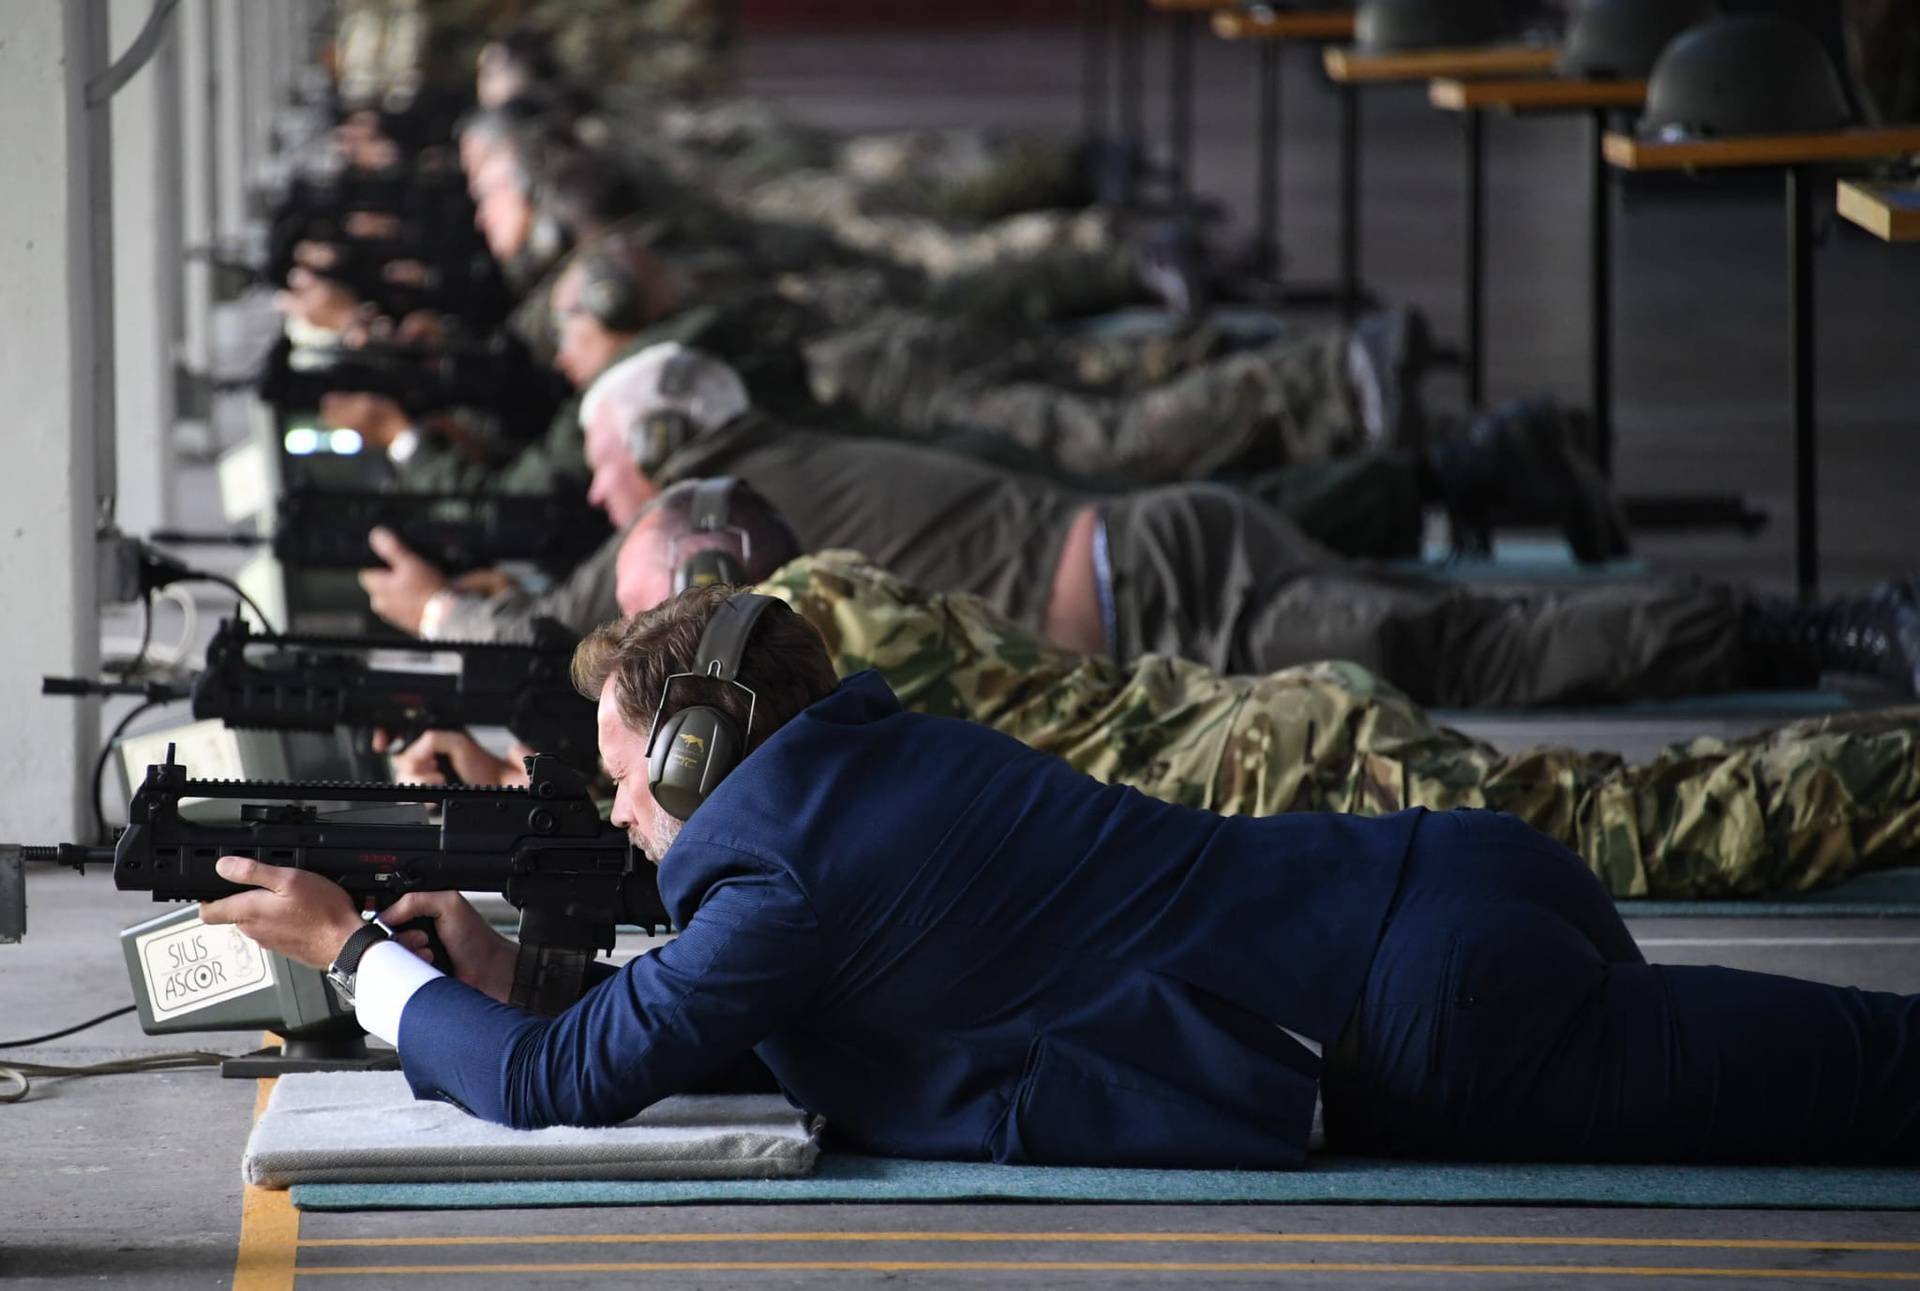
[134, 1181]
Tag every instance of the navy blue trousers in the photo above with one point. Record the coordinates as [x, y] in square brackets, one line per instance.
[1508, 1015]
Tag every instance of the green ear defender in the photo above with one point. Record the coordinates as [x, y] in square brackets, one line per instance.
[691, 750]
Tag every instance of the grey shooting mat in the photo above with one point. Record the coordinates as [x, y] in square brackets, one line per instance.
[1325, 1180]
[1519, 561]
[1876, 894]
[367, 1127]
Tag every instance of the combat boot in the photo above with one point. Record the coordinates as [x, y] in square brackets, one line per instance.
[1791, 644]
[1899, 591]
[1528, 460]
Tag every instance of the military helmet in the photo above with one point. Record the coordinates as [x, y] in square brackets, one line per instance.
[1623, 38]
[1751, 75]
[1385, 25]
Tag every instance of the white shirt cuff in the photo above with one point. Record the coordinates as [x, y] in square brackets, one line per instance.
[404, 445]
[433, 615]
[389, 974]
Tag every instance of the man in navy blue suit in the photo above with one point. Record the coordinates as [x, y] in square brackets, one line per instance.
[953, 946]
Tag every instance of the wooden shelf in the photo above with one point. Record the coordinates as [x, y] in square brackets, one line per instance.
[1356, 66]
[1554, 94]
[1891, 212]
[1629, 152]
[1245, 24]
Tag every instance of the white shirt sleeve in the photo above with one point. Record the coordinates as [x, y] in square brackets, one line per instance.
[404, 445]
[388, 976]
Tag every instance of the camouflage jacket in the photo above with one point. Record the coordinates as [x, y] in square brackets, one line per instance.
[1784, 810]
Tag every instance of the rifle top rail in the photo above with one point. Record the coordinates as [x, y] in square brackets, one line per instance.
[353, 790]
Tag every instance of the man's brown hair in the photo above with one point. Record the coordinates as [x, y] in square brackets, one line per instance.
[785, 664]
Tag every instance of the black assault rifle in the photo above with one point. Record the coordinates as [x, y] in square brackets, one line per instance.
[454, 532]
[319, 683]
[572, 875]
[499, 376]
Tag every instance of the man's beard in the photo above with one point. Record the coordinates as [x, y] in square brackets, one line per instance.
[665, 830]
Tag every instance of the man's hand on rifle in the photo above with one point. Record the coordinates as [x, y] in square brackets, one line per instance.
[482, 958]
[400, 592]
[378, 418]
[303, 916]
[417, 762]
[320, 302]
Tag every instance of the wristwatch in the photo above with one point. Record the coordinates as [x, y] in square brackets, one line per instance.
[345, 970]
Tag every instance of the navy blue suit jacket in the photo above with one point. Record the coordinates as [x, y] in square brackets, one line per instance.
[953, 946]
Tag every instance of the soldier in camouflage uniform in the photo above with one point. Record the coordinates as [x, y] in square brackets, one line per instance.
[1787, 810]
[1239, 393]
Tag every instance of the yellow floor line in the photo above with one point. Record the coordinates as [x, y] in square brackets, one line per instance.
[269, 1226]
[1100, 1266]
[1342, 1239]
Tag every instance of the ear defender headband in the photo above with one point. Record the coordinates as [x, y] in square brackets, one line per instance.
[711, 514]
[691, 750]
[662, 433]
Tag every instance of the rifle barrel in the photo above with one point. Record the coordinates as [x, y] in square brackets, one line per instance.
[193, 538]
[158, 691]
[72, 854]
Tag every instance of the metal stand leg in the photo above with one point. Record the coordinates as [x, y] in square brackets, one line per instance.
[1180, 101]
[1643, 511]
[1600, 296]
[1130, 75]
[1093, 69]
[1267, 165]
[1349, 202]
[1476, 258]
[1806, 502]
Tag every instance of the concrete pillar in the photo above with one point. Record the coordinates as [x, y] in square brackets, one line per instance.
[256, 87]
[199, 172]
[146, 262]
[55, 383]
[229, 114]
[273, 51]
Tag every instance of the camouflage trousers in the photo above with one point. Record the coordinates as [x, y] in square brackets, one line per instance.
[1203, 572]
[1029, 267]
[1150, 409]
[964, 176]
[1783, 811]
[961, 176]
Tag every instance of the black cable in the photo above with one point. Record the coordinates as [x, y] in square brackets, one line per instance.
[18, 1072]
[100, 763]
[139, 659]
[57, 1035]
[202, 576]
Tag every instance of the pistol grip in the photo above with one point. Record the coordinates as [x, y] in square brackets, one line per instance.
[441, 959]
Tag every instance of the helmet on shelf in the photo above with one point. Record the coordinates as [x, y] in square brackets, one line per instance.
[1383, 26]
[1753, 75]
[1622, 39]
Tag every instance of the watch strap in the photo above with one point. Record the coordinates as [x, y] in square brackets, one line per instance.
[364, 938]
